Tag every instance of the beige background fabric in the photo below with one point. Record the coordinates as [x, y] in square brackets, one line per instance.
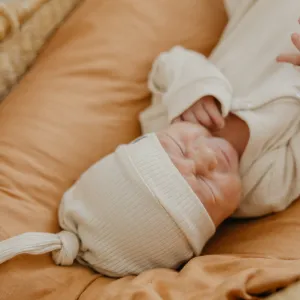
[290, 293]
[76, 104]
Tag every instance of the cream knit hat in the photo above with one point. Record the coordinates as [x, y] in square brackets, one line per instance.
[130, 212]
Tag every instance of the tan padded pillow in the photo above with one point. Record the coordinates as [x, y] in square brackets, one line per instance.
[77, 103]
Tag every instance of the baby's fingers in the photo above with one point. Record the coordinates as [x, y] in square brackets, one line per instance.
[189, 116]
[176, 120]
[203, 117]
[289, 58]
[214, 113]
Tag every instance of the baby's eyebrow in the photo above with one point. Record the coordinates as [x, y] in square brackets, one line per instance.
[174, 140]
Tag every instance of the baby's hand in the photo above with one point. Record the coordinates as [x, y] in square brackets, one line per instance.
[205, 111]
[292, 58]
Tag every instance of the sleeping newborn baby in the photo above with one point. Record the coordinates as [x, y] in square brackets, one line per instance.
[152, 203]
[261, 124]
[156, 202]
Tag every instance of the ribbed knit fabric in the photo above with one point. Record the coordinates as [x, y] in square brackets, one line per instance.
[132, 211]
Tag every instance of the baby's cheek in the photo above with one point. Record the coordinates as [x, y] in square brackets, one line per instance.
[204, 194]
[232, 189]
[184, 166]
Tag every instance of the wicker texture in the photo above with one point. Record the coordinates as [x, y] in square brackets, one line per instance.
[13, 14]
[19, 48]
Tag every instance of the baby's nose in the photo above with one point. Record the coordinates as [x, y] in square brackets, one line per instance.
[205, 160]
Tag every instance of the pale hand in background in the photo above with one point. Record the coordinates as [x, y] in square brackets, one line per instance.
[292, 58]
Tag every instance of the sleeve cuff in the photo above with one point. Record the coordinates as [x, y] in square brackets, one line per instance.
[180, 77]
[190, 94]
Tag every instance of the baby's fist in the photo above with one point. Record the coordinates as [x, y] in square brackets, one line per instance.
[205, 111]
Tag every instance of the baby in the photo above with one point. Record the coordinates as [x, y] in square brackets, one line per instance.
[137, 209]
[227, 141]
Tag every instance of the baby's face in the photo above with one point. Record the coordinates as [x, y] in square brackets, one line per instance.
[209, 165]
